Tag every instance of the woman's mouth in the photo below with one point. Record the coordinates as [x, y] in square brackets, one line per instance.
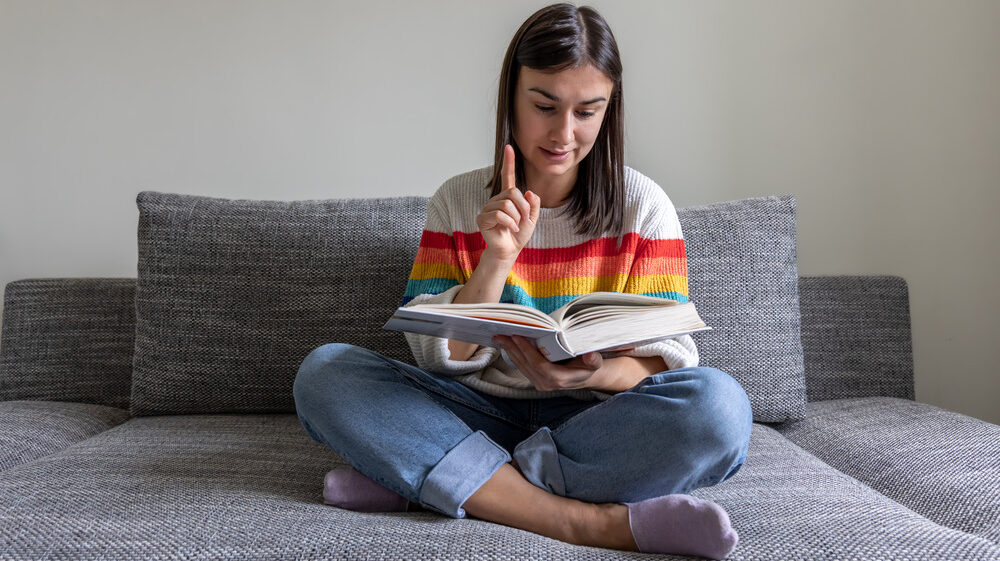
[554, 156]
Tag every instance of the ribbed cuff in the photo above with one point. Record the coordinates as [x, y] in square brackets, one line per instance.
[462, 471]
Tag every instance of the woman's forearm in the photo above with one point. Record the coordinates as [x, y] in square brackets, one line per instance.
[484, 285]
[621, 373]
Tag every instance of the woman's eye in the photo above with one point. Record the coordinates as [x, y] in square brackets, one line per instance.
[584, 114]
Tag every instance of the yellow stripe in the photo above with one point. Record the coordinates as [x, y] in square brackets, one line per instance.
[613, 283]
[568, 285]
[422, 271]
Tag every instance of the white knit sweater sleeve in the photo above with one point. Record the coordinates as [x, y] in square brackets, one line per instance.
[660, 223]
[431, 353]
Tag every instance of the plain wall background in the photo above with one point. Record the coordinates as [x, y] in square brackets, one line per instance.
[881, 117]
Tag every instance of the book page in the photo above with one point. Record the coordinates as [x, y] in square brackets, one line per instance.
[497, 311]
[586, 301]
[606, 327]
[474, 330]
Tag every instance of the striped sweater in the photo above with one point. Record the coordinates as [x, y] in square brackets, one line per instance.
[555, 266]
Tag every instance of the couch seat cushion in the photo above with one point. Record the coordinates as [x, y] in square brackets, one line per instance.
[940, 463]
[32, 429]
[249, 486]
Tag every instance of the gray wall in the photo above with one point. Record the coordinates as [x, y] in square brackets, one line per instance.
[881, 117]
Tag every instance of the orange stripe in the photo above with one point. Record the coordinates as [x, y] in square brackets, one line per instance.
[660, 266]
[429, 255]
[584, 267]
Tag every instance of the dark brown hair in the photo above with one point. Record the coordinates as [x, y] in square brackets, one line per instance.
[555, 38]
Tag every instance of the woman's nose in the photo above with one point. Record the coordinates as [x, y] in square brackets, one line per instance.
[563, 134]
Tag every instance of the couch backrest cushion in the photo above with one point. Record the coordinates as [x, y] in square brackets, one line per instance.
[856, 336]
[743, 277]
[68, 340]
[232, 294]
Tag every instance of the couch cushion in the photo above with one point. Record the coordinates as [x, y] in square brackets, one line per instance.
[249, 486]
[856, 336]
[68, 339]
[940, 463]
[744, 279]
[32, 429]
[232, 294]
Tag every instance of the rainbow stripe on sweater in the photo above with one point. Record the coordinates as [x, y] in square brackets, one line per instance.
[547, 278]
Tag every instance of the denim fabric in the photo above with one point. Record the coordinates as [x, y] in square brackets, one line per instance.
[435, 441]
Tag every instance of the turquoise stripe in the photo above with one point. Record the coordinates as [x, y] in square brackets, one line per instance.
[668, 295]
[513, 294]
[416, 287]
[517, 295]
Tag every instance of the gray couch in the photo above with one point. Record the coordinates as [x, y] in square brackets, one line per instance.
[152, 417]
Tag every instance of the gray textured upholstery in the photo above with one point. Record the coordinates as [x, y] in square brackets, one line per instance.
[742, 275]
[867, 314]
[232, 294]
[856, 336]
[32, 429]
[942, 464]
[238, 291]
[68, 340]
[248, 487]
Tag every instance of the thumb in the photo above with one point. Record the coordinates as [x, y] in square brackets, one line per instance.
[536, 202]
[592, 359]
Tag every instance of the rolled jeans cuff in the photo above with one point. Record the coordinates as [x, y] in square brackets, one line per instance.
[463, 470]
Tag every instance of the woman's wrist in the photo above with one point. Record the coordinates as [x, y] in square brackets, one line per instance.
[621, 373]
[492, 259]
[485, 285]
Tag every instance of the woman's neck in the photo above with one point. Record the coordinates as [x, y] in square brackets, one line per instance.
[553, 190]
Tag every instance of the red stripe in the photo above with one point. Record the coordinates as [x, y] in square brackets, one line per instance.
[664, 248]
[436, 240]
[604, 247]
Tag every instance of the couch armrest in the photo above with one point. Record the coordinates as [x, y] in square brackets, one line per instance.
[68, 339]
[856, 337]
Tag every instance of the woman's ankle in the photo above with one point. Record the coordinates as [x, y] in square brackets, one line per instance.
[604, 525]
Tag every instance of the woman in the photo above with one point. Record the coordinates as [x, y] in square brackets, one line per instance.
[597, 450]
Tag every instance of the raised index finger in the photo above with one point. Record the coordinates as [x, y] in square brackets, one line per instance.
[509, 182]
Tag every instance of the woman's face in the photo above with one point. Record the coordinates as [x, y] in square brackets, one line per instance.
[557, 118]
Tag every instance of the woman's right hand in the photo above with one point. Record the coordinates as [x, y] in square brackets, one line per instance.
[508, 219]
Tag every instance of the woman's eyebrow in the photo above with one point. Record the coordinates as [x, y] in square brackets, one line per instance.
[554, 98]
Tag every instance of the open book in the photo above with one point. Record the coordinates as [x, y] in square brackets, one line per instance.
[599, 321]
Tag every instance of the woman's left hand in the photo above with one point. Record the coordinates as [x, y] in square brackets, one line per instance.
[576, 373]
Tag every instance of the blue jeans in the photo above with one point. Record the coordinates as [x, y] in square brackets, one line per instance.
[435, 441]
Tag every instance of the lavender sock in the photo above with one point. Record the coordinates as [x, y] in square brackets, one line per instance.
[346, 487]
[681, 524]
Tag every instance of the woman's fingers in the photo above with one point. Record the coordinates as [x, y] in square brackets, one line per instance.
[506, 206]
[489, 219]
[516, 197]
[509, 181]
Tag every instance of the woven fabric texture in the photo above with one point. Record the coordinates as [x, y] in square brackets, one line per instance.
[232, 294]
[942, 464]
[743, 278]
[32, 429]
[68, 340]
[249, 487]
[856, 337]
